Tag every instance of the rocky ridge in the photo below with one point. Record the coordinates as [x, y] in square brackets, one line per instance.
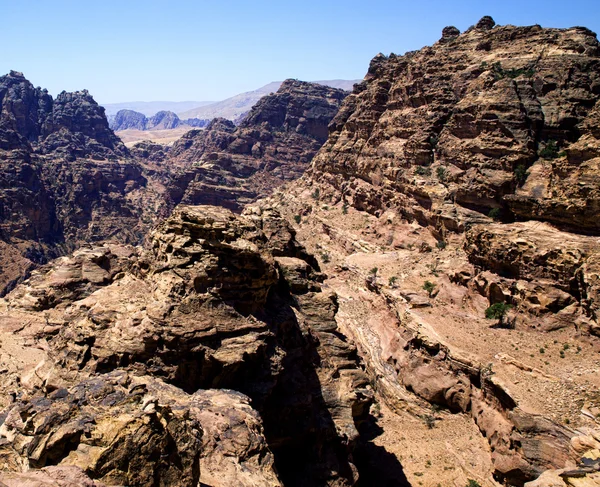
[162, 120]
[232, 166]
[127, 354]
[65, 177]
[454, 185]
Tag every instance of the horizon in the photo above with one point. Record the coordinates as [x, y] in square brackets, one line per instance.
[108, 49]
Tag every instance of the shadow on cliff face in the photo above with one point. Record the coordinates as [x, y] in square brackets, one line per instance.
[297, 418]
[376, 466]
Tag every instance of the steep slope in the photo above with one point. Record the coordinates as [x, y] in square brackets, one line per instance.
[211, 357]
[455, 209]
[232, 166]
[65, 177]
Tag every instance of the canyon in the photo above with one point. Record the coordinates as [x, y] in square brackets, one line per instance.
[393, 286]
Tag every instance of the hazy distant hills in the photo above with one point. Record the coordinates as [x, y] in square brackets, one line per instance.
[150, 108]
[231, 108]
[236, 106]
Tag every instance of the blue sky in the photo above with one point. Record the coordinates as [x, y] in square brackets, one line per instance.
[132, 50]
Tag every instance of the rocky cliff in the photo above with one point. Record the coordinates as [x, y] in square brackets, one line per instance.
[212, 357]
[232, 166]
[65, 177]
[454, 206]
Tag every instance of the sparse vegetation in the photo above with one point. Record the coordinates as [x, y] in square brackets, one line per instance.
[297, 218]
[325, 257]
[433, 140]
[392, 281]
[345, 209]
[374, 271]
[497, 311]
[472, 483]
[441, 244]
[512, 73]
[520, 174]
[429, 420]
[494, 213]
[550, 150]
[441, 173]
[423, 171]
[429, 287]
[316, 193]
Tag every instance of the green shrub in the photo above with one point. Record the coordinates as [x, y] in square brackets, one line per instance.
[494, 213]
[297, 218]
[520, 174]
[316, 193]
[441, 173]
[550, 150]
[473, 483]
[374, 271]
[441, 244]
[392, 281]
[429, 287]
[345, 209]
[423, 171]
[497, 311]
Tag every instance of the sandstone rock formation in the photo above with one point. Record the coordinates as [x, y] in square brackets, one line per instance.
[130, 361]
[232, 166]
[66, 178]
[455, 207]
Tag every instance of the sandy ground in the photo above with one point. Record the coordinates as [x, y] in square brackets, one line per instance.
[166, 137]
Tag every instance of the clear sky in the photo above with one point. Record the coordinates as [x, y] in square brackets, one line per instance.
[131, 50]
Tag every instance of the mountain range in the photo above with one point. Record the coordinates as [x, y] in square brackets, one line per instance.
[394, 286]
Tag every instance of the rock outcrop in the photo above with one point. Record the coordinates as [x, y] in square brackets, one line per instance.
[274, 143]
[455, 207]
[131, 360]
[492, 119]
[65, 177]
[163, 120]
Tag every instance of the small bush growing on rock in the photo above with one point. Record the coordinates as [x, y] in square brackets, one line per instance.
[429, 420]
[497, 311]
[345, 209]
[441, 244]
[429, 287]
[297, 218]
[316, 193]
[392, 281]
[494, 213]
[441, 173]
[325, 257]
[472, 483]
[550, 150]
[374, 271]
[423, 171]
[520, 174]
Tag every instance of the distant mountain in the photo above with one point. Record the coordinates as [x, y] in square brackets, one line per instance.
[235, 107]
[163, 120]
[150, 108]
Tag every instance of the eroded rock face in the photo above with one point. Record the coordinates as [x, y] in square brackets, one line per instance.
[491, 118]
[467, 171]
[65, 178]
[218, 302]
[228, 166]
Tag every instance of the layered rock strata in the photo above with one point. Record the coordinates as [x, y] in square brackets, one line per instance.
[131, 361]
